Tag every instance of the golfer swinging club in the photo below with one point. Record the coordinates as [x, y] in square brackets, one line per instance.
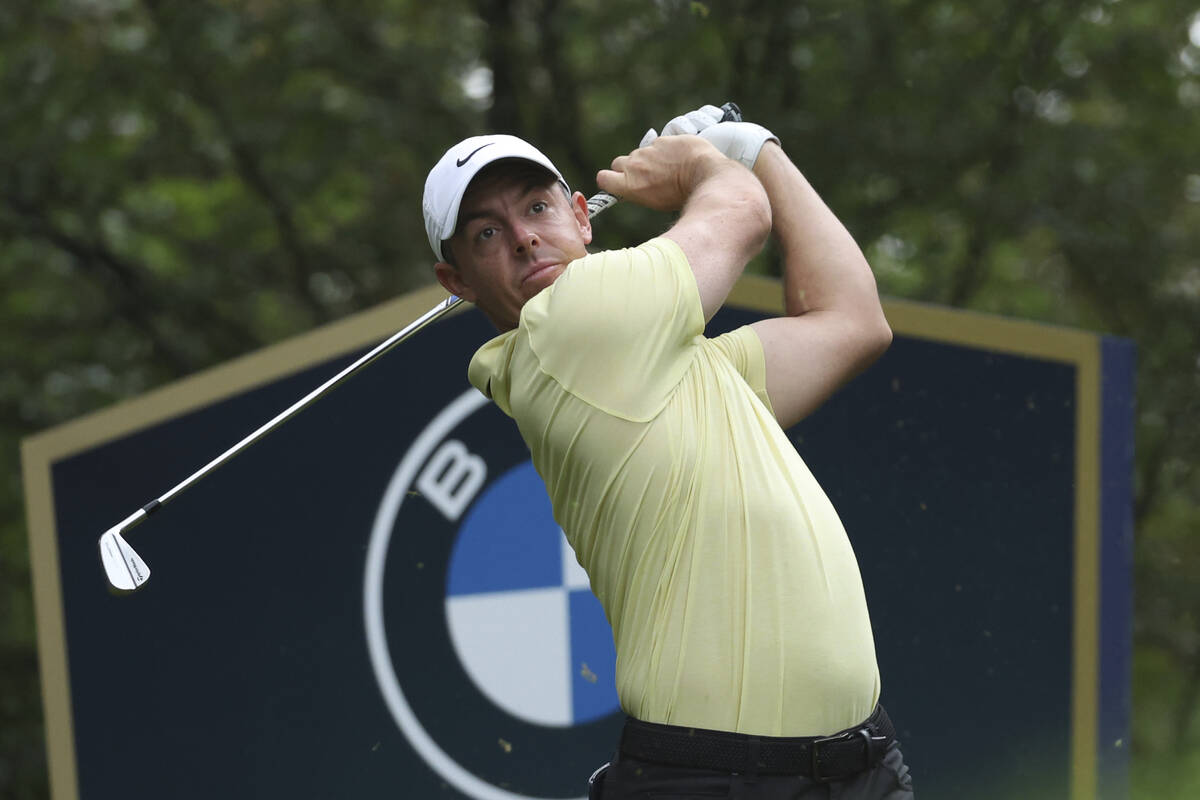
[745, 658]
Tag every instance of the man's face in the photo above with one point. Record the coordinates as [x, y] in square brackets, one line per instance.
[517, 231]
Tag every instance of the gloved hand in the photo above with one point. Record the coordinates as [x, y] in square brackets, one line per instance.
[741, 141]
[690, 123]
[693, 121]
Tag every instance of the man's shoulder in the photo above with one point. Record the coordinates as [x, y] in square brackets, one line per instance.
[609, 275]
[617, 329]
[601, 287]
[657, 249]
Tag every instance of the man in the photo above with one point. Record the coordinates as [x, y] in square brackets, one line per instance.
[736, 604]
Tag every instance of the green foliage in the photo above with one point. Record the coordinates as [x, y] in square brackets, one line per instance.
[183, 181]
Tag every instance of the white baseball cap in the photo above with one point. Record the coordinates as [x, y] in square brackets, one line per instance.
[449, 179]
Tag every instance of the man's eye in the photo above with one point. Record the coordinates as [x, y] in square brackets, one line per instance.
[538, 207]
[485, 234]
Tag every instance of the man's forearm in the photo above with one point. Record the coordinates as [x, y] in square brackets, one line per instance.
[723, 224]
[823, 267]
[726, 195]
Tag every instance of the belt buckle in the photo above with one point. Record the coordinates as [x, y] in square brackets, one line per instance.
[816, 749]
[869, 744]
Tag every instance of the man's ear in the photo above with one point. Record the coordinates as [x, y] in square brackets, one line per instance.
[580, 207]
[452, 281]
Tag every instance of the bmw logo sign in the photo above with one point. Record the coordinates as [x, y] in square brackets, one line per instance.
[489, 648]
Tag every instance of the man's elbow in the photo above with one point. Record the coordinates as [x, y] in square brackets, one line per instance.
[872, 324]
[755, 215]
[876, 338]
[763, 217]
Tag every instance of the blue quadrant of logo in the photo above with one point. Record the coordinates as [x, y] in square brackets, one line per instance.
[593, 659]
[508, 540]
[509, 545]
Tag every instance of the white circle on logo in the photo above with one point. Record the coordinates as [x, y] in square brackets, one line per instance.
[381, 662]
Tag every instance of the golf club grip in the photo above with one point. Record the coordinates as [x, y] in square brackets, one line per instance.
[602, 200]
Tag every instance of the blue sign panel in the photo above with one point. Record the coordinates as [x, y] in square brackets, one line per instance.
[376, 602]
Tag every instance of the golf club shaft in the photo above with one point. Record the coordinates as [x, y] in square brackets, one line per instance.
[596, 204]
[377, 351]
[118, 550]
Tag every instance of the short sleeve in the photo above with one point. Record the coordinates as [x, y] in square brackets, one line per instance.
[619, 328]
[743, 349]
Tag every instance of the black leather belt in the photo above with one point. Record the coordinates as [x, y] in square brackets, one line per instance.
[822, 758]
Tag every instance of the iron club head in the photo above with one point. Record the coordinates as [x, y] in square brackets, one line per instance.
[125, 569]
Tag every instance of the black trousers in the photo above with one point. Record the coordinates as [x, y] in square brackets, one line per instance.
[627, 779]
[632, 778]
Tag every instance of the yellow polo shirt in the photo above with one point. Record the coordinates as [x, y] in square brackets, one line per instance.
[733, 593]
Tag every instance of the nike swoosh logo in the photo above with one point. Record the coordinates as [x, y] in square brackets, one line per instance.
[462, 161]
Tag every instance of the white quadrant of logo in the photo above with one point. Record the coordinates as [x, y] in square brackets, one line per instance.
[524, 622]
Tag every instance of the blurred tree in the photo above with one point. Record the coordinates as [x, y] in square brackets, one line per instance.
[181, 182]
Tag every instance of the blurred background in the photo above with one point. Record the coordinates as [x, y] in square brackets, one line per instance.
[183, 182]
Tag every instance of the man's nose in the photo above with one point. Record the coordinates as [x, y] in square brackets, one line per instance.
[526, 239]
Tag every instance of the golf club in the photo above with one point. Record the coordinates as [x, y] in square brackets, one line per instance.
[125, 569]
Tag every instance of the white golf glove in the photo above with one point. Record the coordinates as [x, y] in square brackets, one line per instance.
[741, 141]
[693, 121]
[690, 123]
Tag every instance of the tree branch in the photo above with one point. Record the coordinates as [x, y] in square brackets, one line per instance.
[503, 116]
[248, 165]
[136, 298]
[134, 303]
[561, 115]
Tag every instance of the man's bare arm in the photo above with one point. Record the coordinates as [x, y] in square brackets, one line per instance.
[835, 326]
[725, 216]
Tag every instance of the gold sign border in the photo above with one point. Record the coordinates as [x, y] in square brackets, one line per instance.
[913, 320]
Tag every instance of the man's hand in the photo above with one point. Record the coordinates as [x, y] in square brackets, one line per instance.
[741, 141]
[690, 123]
[693, 121]
[725, 213]
[663, 174]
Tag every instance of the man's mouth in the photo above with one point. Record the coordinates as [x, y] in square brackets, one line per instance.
[538, 271]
